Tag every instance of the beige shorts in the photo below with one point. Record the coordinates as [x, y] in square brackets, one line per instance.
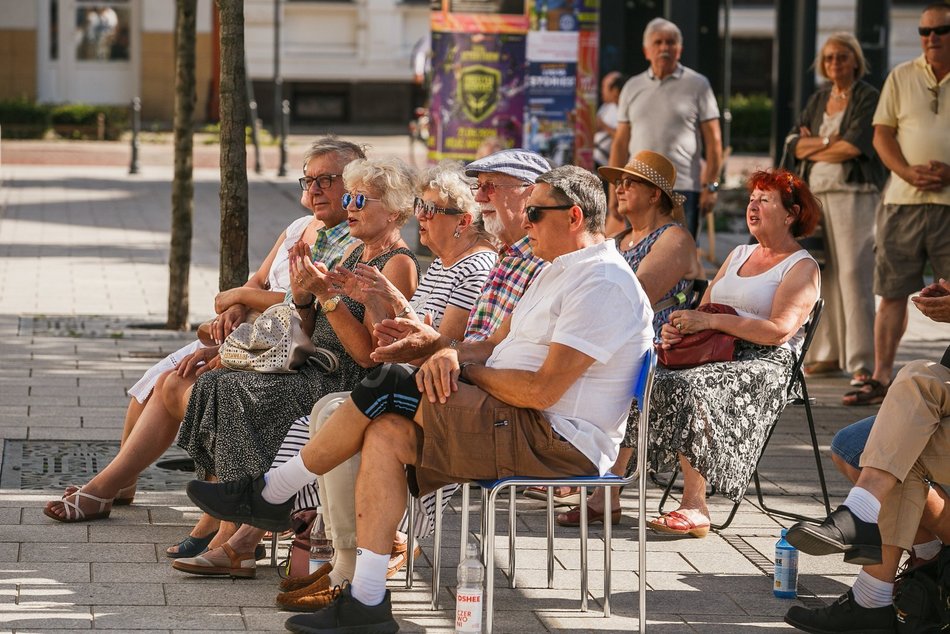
[474, 436]
[907, 236]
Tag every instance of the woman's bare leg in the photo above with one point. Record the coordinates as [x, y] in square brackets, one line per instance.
[694, 492]
[154, 432]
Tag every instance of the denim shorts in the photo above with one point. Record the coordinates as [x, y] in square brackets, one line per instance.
[848, 443]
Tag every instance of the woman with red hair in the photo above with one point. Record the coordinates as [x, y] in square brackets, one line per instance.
[713, 419]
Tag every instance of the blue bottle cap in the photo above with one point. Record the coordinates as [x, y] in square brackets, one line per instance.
[784, 532]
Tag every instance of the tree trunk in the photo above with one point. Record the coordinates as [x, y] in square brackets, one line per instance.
[234, 265]
[183, 186]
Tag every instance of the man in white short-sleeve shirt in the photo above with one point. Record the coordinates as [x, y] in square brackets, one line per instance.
[671, 109]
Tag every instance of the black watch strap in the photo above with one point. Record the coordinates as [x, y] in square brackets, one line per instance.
[309, 304]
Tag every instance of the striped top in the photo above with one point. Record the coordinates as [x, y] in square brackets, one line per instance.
[516, 268]
[458, 285]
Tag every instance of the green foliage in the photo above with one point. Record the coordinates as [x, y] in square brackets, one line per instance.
[751, 122]
[80, 121]
[23, 119]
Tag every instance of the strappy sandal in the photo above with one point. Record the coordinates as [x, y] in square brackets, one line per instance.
[859, 378]
[73, 510]
[398, 558]
[871, 393]
[124, 497]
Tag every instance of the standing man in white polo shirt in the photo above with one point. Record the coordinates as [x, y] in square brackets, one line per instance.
[671, 109]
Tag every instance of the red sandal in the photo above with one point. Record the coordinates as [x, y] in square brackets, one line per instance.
[675, 523]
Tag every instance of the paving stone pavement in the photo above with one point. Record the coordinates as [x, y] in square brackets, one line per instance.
[83, 267]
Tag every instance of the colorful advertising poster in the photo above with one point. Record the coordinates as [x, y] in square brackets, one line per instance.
[477, 92]
[551, 87]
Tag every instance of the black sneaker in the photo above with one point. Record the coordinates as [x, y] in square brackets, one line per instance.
[241, 502]
[841, 532]
[346, 615]
[844, 615]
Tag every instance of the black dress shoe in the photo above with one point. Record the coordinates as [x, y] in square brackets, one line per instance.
[240, 501]
[841, 532]
[346, 615]
[844, 615]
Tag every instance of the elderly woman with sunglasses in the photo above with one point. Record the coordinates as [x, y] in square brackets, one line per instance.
[837, 159]
[235, 421]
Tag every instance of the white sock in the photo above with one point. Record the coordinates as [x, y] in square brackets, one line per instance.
[865, 506]
[928, 550]
[369, 578]
[284, 481]
[872, 593]
[344, 567]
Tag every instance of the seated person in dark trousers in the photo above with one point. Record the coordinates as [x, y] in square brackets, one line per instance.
[547, 394]
[908, 446]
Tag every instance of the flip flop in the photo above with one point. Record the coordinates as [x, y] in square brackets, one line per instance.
[72, 508]
[191, 546]
[675, 523]
[871, 393]
[242, 565]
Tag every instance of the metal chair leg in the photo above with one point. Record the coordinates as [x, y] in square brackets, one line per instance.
[466, 498]
[437, 551]
[584, 549]
[550, 537]
[488, 511]
[608, 529]
[512, 530]
[273, 549]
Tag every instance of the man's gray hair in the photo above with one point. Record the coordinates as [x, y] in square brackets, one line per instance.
[576, 186]
[664, 26]
[332, 144]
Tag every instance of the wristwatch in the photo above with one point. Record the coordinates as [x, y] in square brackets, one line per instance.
[306, 306]
[330, 305]
[826, 141]
[712, 187]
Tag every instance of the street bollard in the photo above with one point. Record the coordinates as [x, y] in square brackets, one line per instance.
[256, 136]
[136, 128]
[284, 130]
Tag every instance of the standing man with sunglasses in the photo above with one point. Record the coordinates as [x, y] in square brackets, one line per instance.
[912, 138]
[546, 395]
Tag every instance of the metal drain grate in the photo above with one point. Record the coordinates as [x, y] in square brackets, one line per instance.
[55, 464]
[805, 595]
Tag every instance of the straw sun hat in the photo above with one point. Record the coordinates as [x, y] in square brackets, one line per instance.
[651, 167]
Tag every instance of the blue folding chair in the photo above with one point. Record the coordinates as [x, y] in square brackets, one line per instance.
[491, 488]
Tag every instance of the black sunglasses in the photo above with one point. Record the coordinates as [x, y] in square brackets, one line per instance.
[323, 181]
[925, 31]
[534, 212]
[425, 210]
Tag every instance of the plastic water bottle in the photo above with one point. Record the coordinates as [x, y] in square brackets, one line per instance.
[321, 548]
[468, 595]
[785, 580]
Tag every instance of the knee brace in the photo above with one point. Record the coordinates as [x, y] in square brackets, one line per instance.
[390, 388]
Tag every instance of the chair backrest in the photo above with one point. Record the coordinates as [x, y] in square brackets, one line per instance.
[643, 382]
[810, 327]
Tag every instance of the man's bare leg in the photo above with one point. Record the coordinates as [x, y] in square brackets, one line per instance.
[889, 326]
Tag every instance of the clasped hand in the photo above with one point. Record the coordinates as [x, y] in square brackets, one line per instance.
[404, 339]
[934, 301]
[199, 362]
[306, 276]
[437, 378]
[681, 323]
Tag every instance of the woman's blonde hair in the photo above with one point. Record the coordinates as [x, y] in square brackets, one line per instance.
[389, 178]
[850, 42]
[448, 179]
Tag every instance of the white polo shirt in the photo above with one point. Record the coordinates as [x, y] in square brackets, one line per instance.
[591, 301]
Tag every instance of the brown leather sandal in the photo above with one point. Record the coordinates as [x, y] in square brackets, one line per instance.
[240, 565]
[871, 393]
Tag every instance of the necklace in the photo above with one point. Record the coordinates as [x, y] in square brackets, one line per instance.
[384, 251]
[841, 95]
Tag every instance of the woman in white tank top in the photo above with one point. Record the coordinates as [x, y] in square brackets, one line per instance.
[713, 419]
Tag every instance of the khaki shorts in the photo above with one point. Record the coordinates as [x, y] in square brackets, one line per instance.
[474, 436]
[907, 236]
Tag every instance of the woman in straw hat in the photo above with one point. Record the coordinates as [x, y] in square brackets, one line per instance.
[663, 255]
